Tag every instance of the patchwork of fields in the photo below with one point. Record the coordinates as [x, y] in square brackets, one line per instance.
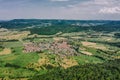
[25, 54]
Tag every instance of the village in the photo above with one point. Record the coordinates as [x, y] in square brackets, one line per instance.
[61, 48]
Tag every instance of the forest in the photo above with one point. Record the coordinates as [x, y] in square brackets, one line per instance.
[107, 71]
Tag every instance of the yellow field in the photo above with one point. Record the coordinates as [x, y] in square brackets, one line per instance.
[5, 51]
[66, 63]
[86, 53]
[93, 45]
[15, 36]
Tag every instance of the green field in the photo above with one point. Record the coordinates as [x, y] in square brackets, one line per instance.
[62, 51]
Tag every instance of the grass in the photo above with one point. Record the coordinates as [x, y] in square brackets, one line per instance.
[19, 58]
[24, 59]
[83, 59]
[92, 50]
[12, 44]
[14, 65]
[38, 40]
[15, 73]
[1, 49]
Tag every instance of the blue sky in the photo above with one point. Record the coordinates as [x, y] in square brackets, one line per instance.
[60, 9]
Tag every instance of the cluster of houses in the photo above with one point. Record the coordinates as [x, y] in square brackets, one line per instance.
[60, 48]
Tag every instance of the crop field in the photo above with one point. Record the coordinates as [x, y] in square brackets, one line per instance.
[34, 52]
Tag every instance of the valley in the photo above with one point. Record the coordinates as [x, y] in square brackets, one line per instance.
[34, 49]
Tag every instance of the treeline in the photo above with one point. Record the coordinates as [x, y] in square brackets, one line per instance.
[51, 30]
[60, 25]
[106, 71]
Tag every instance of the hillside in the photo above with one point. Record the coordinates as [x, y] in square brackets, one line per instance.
[59, 49]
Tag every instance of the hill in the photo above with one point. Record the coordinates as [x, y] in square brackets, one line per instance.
[65, 49]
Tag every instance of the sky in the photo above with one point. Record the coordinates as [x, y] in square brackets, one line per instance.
[60, 9]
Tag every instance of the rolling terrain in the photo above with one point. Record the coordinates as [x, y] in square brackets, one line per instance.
[33, 49]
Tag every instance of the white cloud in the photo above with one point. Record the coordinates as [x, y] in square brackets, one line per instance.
[110, 10]
[65, 9]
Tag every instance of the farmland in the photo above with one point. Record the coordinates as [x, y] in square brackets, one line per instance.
[39, 48]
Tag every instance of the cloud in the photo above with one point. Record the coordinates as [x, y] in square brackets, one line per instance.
[60, 9]
[111, 10]
[100, 6]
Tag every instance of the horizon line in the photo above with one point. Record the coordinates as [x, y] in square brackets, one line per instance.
[60, 19]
